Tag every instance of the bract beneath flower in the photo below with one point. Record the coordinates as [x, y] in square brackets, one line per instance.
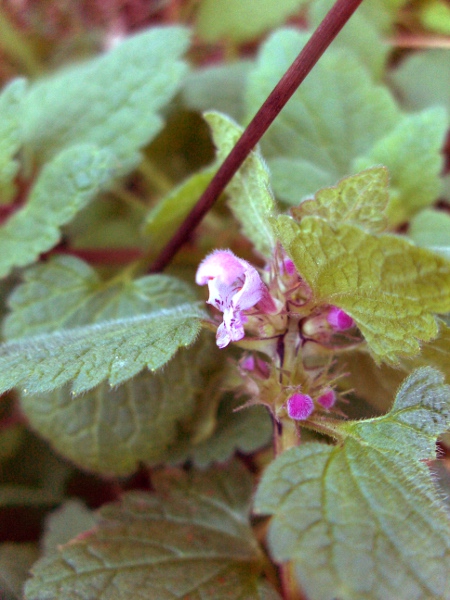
[234, 286]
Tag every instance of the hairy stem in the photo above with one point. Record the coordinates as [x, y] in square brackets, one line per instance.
[325, 33]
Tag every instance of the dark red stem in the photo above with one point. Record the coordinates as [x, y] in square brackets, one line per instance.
[325, 33]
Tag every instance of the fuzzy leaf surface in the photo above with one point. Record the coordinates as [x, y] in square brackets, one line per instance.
[114, 350]
[412, 154]
[360, 199]
[190, 538]
[11, 139]
[111, 431]
[363, 520]
[251, 199]
[107, 430]
[164, 219]
[389, 286]
[112, 101]
[337, 114]
[66, 292]
[242, 20]
[65, 186]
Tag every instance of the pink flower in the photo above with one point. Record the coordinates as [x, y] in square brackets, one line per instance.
[299, 406]
[234, 287]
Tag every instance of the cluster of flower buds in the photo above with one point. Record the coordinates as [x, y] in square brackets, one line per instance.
[273, 313]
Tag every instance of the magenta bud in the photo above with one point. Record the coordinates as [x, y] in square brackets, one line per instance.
[248, 363]
[338, 319]
[299, 406]
[327, 399]
[289, 266]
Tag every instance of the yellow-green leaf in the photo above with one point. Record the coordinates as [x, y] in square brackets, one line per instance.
[242, 20]
[389, 286]
[435, 16]
[359, 199]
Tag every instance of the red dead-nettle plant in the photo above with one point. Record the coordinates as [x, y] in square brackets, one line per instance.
[328, 284]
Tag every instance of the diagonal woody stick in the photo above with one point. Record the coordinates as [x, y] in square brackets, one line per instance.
[325, 33]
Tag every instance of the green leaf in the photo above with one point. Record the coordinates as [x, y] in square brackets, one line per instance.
[15, 562]
[337, 114]
[190, 538]
[113, 350]
[110, 431]
[242, 20]
[435, 16]
[112, 101]
[421, 79]
[64, 187]
[164, 219]
[11, 140]
[245, 430]
[389, 286]
[251, 198]
[218, 88]
[431, 229]
[363, 520]
[66, 292]
[360, 199]
[412, 153]
[365, 33]
[66, 522]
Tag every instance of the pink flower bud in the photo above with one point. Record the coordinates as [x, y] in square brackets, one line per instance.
[299, 406]
[255, 366]
[339, 320]
[327, 399]
[289, 266]
[234, 286]
[248, 363]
